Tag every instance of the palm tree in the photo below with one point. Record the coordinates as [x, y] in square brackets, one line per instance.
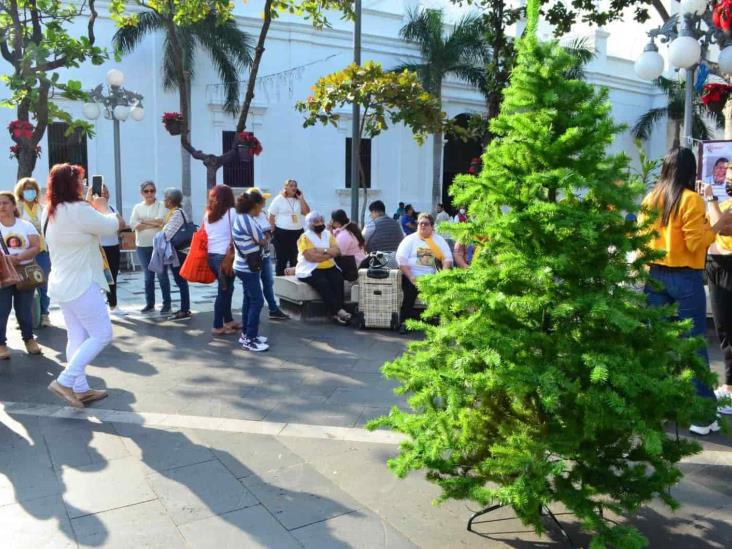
[456, 53]
[228, 48]
[674, 112]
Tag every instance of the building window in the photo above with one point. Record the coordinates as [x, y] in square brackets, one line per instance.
[365, 162]
[237, 172]
[66, 148]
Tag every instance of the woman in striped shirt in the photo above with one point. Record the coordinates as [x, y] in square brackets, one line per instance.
[248, 242]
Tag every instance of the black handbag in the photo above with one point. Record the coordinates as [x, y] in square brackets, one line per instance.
[348, 267]
[255, 261]
[183, 236]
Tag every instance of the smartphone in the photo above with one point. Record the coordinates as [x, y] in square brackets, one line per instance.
[297, 192]
[97, 182]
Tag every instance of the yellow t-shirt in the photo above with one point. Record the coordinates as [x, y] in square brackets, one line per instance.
[725, 242]
[687, 235]
[304, 243]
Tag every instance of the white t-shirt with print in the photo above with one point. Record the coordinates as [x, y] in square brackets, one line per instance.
[16, 236]
[287, 213]
[415, 253]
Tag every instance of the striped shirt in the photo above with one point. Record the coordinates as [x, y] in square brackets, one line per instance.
[246, 233]
[382, 235]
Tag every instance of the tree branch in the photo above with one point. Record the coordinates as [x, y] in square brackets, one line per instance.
[661, 9]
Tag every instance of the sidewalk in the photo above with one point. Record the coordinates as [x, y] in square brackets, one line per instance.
[201, 444]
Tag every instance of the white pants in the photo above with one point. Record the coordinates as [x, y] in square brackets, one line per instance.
[89, 330]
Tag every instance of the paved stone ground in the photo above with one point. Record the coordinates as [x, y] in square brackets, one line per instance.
[203, 445]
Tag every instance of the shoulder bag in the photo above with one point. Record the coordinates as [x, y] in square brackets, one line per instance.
[31, 275]
[255, 260]
[227, 264]
[183, 236]
[8, 275]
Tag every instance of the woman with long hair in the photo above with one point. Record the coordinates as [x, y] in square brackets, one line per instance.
[28, 198]
[217, 222]
[22, 242]
[73, 227]
[683, 232]
[348, 237]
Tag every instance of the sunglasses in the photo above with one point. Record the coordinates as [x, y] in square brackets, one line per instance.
[148, 191]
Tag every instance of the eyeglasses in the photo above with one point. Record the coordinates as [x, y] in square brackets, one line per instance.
[427, 223]
[148, 191]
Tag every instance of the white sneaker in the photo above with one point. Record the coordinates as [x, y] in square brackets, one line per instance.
[258, 339]
[704, 430]
[117, 312]
[250, 345]
[721, 393]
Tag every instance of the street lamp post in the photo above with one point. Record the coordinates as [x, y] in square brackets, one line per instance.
[356, 121]
[690, 33]
[118, 105]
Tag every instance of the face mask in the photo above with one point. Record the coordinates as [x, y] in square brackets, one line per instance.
[317, 229]
[462, 211]
[29, 195]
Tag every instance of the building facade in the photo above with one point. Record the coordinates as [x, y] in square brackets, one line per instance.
[296, 56]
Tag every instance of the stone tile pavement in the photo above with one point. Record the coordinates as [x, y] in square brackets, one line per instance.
[203, 445]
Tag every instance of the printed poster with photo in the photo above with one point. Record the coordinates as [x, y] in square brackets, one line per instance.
[714, 156]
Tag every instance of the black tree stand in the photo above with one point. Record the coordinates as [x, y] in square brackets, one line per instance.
[544, 511]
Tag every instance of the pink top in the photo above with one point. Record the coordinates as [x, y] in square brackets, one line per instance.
[348, 245]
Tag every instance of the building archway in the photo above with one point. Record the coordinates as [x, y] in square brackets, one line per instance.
[457, 157]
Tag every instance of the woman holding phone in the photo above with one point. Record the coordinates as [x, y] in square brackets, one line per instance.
[286, 214]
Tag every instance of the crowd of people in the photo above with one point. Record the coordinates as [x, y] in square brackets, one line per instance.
[74, 241]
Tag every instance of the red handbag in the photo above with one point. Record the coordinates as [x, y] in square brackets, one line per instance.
[195, 267]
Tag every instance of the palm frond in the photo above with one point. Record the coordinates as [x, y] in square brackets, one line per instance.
[126, 39]
[644, 125]
[582, 54]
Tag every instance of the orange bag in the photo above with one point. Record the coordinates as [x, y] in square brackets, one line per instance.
[195, 267]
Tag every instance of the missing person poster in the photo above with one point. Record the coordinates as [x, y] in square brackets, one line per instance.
[714, 157]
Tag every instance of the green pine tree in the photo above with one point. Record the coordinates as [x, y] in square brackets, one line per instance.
[544, 377]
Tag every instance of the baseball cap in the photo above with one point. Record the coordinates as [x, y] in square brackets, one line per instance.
[258, 190]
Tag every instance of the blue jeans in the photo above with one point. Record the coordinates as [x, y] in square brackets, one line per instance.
[252, 303]
[182, 283]
[44, 262]
[685, 287]
[222, 305]
[144, 253]
[267, 274]
[22, 302]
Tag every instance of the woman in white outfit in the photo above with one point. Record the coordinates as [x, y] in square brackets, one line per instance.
[73, 227]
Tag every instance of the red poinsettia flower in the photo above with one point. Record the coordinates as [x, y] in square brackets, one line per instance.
[21, 128]
[715, 93]
[172, 117]
[248, 139]
[722, 15]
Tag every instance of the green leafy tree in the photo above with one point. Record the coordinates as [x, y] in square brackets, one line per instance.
[701, 120]
[385, 98]
[37, 45]
[544, 377]
[455, 53]
[227, 47]
[185, 12]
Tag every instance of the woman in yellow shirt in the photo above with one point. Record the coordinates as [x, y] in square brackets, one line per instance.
[684, 234]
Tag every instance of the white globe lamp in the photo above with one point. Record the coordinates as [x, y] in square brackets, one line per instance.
[649, 65]
[725, 60]
[684, 52]
[91, 111]
[121, 112]
[693, 7]
[137, 113]
[115, 77]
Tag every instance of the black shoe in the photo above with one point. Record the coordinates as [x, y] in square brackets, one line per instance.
[181, 315]
[165, 310]
[147, 309]
[278, 315]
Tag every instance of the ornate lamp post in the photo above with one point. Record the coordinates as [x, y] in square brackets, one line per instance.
[690, 32]
[117, 105]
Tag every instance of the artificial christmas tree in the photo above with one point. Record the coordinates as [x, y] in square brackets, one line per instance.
[544, 377]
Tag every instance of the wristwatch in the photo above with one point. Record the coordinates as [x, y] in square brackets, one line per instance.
[712, 198]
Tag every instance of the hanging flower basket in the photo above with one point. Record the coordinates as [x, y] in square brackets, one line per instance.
[20, 128]
[15, 151]
[715, 96]
[252, 143]
[722, 16]
[173, 122]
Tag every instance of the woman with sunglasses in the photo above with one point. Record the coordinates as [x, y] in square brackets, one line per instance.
[147, 219]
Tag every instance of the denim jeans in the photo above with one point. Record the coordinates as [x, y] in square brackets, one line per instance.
[252, 303]
[182, 283]
[222, 305]
[44, 262]
[268, 284]
[22, 302]
[685, 287]
[144, 253]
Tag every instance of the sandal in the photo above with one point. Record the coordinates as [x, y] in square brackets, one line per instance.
[225, 331]
[233, 325]
[65, 393]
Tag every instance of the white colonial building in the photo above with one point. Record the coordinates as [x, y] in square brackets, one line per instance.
[296, 56]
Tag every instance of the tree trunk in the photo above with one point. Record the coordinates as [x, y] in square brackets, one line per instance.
[185, 161]
[677, 134]
[362, 184]
[26, 162]
[437, 148]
